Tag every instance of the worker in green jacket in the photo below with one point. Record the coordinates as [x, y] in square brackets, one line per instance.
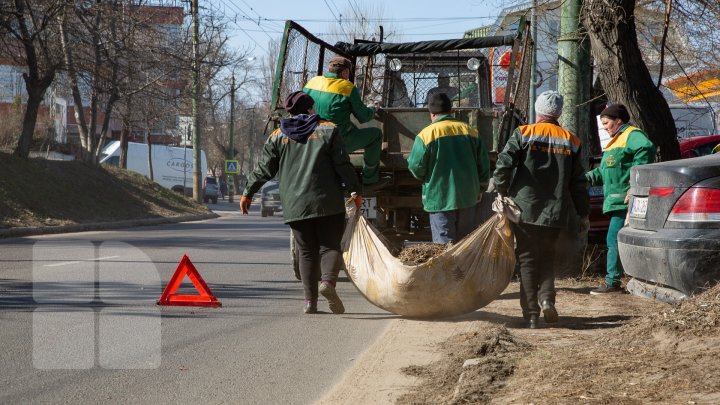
[336, 98]
[308, 156]
[628, 147]
[541, 169]
[451, 160]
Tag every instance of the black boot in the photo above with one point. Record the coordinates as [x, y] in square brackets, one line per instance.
[534, 322]
[549, 312]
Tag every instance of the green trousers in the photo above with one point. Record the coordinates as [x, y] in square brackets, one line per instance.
[614, 267]
[369, 139]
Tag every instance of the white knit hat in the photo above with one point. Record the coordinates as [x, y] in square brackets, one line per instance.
[549, 104]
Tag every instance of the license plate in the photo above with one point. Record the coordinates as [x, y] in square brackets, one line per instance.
[638, 208]
[368, 208]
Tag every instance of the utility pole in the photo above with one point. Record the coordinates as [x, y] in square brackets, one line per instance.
[231, 150]
[533, 64]
[197, 160]
[575, 74]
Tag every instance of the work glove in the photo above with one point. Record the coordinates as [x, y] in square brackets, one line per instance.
[245, 205]
[584, 225]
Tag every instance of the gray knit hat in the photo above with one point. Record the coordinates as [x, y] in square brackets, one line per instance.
[549, 104]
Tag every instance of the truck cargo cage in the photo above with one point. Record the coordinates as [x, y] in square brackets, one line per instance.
[400, 77]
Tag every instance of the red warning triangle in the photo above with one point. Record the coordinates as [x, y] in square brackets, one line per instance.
[206, 297]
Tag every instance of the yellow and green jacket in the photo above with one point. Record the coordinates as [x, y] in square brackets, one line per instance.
[335, 99]
[453, 164]
[629, 147]
[540, 168]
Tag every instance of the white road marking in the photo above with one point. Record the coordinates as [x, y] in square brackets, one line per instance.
[79, 261]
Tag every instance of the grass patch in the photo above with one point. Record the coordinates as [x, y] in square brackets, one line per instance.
[38, 192]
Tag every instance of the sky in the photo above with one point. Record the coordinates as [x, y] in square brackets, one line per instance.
[255, 22]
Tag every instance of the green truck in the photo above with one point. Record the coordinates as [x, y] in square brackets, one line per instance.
[490, 95]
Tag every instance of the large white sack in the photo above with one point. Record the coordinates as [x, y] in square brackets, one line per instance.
[465, 277]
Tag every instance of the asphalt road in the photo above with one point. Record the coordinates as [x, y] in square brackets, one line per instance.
[79, 324]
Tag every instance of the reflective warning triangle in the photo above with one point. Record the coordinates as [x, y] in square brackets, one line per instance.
[206, 297]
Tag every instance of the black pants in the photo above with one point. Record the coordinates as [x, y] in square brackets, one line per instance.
[535, 252]
[318, 244]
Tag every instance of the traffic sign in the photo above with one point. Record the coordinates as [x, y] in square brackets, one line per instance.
[231, 166]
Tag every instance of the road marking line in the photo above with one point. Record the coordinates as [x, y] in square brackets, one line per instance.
[79, 261]
[213, 241]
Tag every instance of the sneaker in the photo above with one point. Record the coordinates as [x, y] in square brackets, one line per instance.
[328, 291]
[549, 312]
[607, 289]
[310, 307]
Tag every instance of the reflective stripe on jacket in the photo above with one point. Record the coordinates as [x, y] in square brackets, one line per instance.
[629, 147]
[541, 169]
[451, 160]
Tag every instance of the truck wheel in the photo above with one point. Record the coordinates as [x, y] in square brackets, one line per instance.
[271, 213]
[263, 213]
[215, 200]
[294, 254]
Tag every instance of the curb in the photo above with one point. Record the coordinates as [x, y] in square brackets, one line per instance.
[100, 226]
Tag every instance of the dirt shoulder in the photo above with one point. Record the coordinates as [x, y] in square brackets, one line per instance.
[46, 193]
[607, 350]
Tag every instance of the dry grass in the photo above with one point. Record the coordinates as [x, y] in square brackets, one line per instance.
[39, 192]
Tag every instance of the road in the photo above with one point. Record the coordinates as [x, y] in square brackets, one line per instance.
[79, 324]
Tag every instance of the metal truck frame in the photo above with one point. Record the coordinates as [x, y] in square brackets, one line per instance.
[398, 77]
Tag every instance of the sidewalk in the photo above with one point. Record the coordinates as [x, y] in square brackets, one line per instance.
[401, 361]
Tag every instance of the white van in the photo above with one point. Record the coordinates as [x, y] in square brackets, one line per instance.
[692, 121]
[172, 166]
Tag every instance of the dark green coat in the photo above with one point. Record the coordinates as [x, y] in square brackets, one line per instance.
[541, 170]
[311, 174]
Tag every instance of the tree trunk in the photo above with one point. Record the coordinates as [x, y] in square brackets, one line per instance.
[22, 149]
[624, 75]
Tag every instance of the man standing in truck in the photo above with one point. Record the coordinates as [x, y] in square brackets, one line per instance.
[451, 160]
[336, 98]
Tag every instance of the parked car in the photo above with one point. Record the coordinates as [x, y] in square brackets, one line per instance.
[211, 189]
[270, 199]
[671, 246]
[599, 222]
[698, 146]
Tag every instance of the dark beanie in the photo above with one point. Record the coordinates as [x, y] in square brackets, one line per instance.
[298, 103]
[338, 64]
[616, 111]
[439, 103]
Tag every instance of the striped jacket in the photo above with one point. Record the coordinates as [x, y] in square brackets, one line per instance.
[629, 147]
[540, 168]
[335, 99]
[453, 164]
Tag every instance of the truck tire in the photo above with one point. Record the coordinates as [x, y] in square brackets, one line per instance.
[271, 213]
[263, 213]
[215, 200]
[294, 255]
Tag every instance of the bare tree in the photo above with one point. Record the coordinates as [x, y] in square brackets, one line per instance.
[624, 76]
[28, 30]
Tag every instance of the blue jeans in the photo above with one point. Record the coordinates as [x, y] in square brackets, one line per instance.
[451, 226]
